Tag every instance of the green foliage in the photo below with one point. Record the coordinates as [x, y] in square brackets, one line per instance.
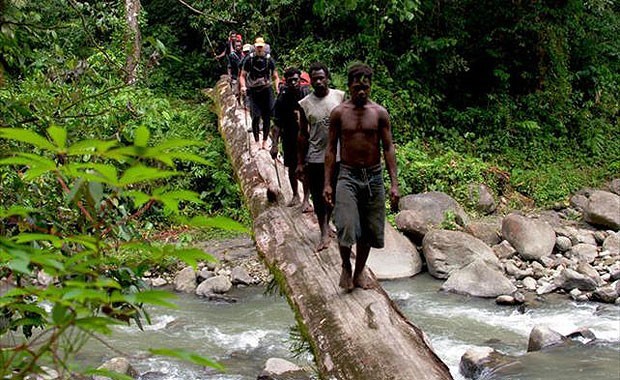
[422, 170]
[91, 292]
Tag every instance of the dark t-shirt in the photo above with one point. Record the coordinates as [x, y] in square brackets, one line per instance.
[284, 111]
[234, 61]
[260, 70]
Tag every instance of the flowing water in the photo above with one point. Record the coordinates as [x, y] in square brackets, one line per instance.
[243, 335]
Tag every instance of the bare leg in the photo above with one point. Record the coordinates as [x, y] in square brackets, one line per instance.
[346, 281]
[359, 279]
[325, 229]
[293, 181]
[305, 204]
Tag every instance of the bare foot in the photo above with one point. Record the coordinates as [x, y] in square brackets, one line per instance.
[306, 207]
[324, 244]
[294, 202]
[264, 144]
[346, 282]
[362, 281]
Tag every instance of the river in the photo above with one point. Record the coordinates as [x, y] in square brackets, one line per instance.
[243, 335]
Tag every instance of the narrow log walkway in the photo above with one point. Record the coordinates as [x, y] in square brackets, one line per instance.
[354, 336]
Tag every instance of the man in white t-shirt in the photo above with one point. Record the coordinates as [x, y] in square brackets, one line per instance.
[313, 136]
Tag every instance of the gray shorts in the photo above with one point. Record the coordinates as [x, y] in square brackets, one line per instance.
[359, 213]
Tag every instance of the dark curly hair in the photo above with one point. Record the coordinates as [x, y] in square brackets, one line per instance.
[317, 66]
[358, 70]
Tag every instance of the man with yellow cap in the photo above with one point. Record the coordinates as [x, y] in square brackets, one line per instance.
[258, 77]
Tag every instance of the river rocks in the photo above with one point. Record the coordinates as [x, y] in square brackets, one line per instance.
[570, 279]
[603, 209]
[488, 230]
[477, 360]
[119, 365]
[531, 238]
[446, 251]
[563, 243]
[611, 244]
[214, 285]
[185, 280]
[240, 276]
[280, 369]
[542, 337]
[583, 252]
[399, 258]
[478, 279]
[481, 196]
[422, 212]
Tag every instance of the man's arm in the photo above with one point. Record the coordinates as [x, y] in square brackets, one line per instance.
[330, 154]
[277, 118]
[389, 154]
[275, 77]
[302, 142]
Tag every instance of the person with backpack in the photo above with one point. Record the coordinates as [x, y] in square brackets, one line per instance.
[286, 127]
[258, 77]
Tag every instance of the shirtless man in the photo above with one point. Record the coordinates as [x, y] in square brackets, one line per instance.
[313, 135]
[362, 127]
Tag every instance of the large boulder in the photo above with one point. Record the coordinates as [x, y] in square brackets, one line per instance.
[487, 230]
[481, 196]
[569, 279]
[214, 285]
[118, 365]
[422, 212]
[185, 280]
[603, 209]
[533, 239]
[280, 369]
[542, 337]
[399, 258]
[478, 360]
[447, 251]
[479, 279]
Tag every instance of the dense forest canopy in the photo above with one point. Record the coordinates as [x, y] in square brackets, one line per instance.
[106, 135]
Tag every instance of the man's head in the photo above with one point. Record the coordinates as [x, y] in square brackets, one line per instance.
[238, 46]
[233, 35]
[247, 48]
[319, 78]
[291, 77]
[259, 46]
[359, 81]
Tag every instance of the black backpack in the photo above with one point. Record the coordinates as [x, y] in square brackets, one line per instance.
[259, 75]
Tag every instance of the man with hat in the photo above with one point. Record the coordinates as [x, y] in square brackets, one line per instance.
[258, 74]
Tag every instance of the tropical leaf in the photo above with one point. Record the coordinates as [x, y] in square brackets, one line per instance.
[58, 135]
[141, 137]
[140, 173]
[28, 137]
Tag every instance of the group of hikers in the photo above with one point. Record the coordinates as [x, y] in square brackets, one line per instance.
[332, 143]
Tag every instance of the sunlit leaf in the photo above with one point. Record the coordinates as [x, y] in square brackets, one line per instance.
[141, 137]
[220, 222]
[58, 135]
[27, 136]
[141, 173]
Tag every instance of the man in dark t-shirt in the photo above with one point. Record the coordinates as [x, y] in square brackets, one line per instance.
[286, 128]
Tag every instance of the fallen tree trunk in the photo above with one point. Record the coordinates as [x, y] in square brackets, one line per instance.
[355, 336]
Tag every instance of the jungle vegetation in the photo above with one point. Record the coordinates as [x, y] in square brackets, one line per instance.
[106, 137]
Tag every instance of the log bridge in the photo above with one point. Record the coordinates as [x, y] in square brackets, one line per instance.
[360, 335]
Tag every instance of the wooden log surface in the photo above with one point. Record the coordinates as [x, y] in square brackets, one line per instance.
[360, 335]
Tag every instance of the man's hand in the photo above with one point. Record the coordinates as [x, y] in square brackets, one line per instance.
[299, 172]
[328, 195]
[274, 151]
[394, 198]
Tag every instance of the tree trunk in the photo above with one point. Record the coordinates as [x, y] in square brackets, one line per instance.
[358, 335]
[134, 40]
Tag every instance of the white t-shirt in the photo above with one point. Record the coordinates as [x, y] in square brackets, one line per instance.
[317, 112]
